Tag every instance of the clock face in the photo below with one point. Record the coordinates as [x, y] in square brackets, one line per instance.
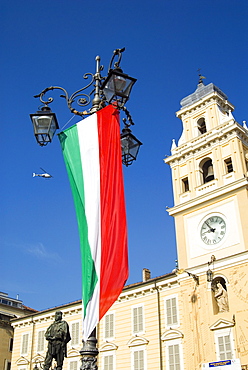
[213, 230]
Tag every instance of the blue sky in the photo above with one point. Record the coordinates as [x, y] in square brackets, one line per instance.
[55, 42]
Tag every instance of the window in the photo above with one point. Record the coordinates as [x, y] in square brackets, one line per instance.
[224, 344]
[138, 320]
[41, 341]
[73, 365]
[185, 184]
[11, 344]
[109, 326]
[108, 362]
[201, 125]
[75, 333]
[173, 356]
[171, 311]
[7, 365]
[228, 164]
[24, 346]
[139, 359]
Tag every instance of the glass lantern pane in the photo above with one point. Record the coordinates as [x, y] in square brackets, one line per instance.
[119, 83]
[125, 145]
[134, 150]
[52, 128]
[109, 93]
[41, 123]
[128, 88]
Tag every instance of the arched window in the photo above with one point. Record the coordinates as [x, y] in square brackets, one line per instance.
[201, 124]
[207, 170]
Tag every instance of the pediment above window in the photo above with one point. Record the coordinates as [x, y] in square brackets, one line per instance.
[222, 324]
[38, 358]
[22, 361]
[108, 347]
[72, 352]
[137, 341]
[172, 334]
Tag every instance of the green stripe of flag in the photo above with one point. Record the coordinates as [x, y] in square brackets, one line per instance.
[71, 152]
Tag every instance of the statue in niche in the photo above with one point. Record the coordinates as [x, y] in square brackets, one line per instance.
[221, 297]
[58, 336]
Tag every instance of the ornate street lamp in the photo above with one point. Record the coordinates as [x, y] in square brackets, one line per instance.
[118, 85]
[209, 276]
[129, 145]
[114, 89]
[45, 124]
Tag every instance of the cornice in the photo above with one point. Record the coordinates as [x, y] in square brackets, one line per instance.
[205, 142]
[48, 315]
[202, 102]
[164, 283]
[219, 264]
[223, 190]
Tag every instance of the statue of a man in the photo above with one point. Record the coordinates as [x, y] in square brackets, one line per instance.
[58, 336]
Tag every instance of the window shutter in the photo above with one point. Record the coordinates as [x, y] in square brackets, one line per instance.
[171, 311]
[75, 333]
[73, 365]
[174, 357]
[108, 362]
[225, 347]
[109, 326]
[138, 360]
[41, 341]
[138, 319]
[24, 344]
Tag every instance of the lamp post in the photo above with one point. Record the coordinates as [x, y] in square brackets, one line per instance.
[113, 89]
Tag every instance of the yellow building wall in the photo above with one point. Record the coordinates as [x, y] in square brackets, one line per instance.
[6, 333]
[199, 321]
[40, 322]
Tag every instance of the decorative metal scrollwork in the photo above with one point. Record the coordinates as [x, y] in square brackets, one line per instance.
[117, 52]
[82, 99]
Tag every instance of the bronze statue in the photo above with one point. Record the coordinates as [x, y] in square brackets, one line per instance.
[58, 336]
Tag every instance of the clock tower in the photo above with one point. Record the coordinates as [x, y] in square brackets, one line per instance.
[209, 176]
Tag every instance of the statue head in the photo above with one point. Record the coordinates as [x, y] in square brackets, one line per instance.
[58, 316]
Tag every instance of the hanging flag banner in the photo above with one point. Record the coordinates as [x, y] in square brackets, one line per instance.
[92, 154]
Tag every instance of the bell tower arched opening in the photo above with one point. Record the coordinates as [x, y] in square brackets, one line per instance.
[201, 125]
[207, 170]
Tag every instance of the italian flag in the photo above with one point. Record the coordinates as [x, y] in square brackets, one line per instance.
[92, 154]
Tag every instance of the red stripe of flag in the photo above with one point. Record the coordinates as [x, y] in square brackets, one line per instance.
[114, 253]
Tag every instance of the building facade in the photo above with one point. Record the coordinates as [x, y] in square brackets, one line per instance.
[196, 316]
[9, 309]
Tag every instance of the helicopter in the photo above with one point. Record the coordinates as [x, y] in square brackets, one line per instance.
[46, 175]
